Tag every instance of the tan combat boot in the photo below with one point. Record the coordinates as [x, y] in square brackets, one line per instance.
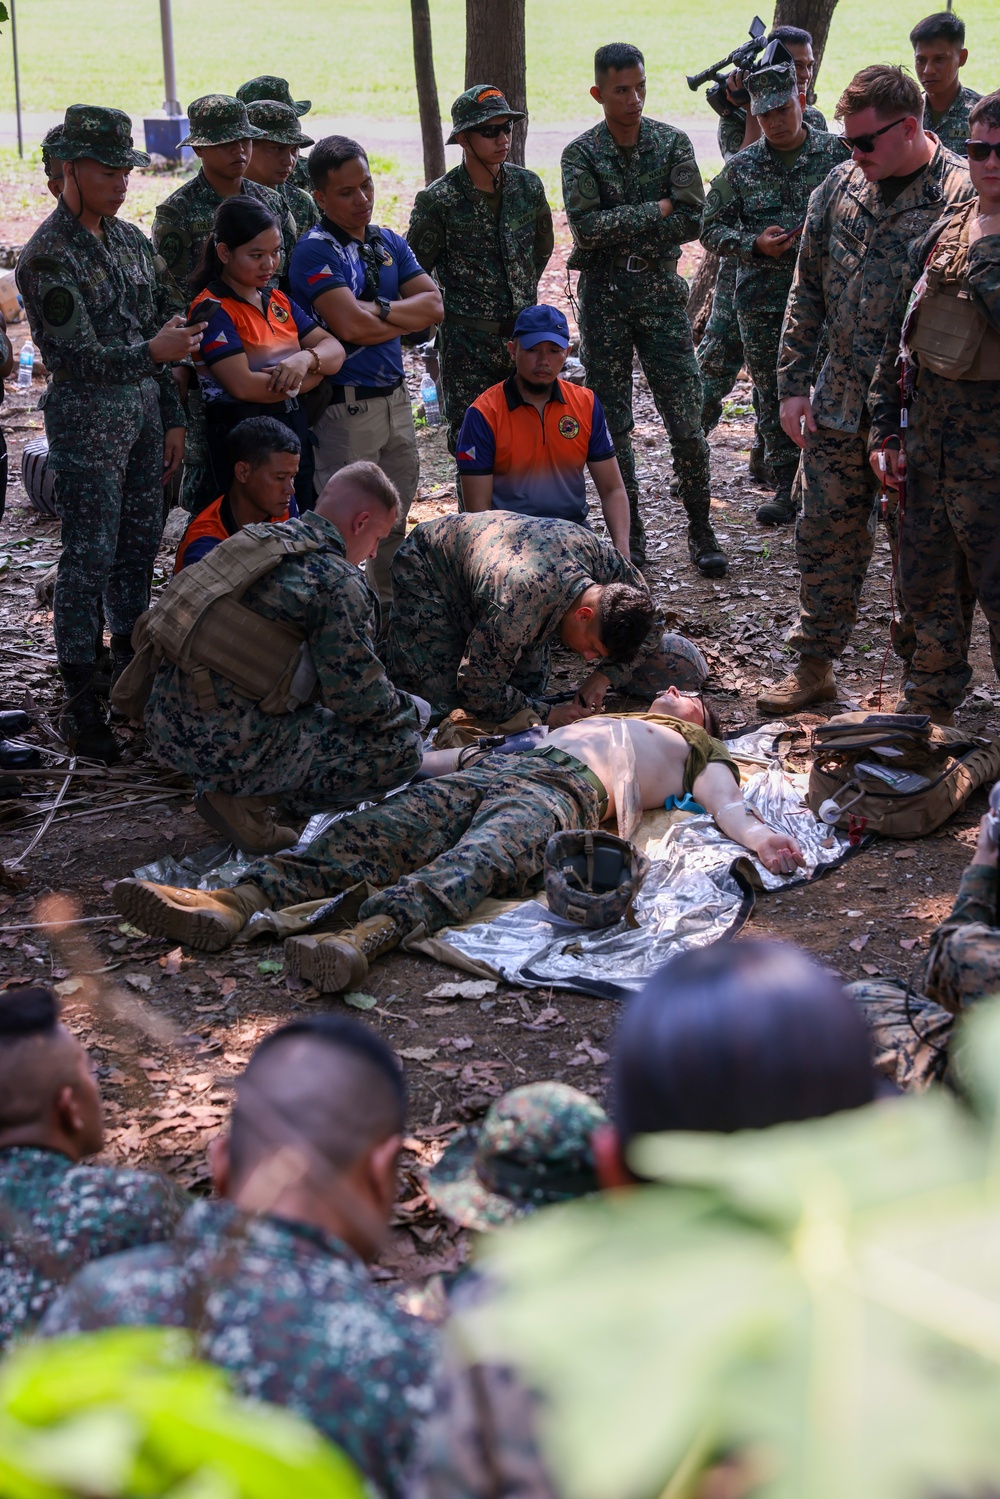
[247, 821]
[811, 682]
[205, 919]
[332, 961]
[943, 717]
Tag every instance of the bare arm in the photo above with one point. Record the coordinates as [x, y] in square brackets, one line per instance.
[718, 793]
[477, 492]
[610, 486]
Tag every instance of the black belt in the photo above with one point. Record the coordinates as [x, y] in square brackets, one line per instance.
[361, 392]
[503, 329]
[636, 264]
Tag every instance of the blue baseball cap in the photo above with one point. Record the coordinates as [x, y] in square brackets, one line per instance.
[541, 324]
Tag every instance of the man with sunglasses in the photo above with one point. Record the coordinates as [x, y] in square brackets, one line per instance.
[951, 345]
[860, 223]
[484, 231]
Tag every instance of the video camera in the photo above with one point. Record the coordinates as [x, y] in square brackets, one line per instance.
[742, 59]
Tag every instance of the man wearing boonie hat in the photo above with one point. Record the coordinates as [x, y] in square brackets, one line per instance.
[532, 1149]
[115, 427]
[221, 135]
[274, 157]
[484, 231]
[268, 86]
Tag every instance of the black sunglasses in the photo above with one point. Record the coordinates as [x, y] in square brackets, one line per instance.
[490, 132]
[866, 143]
[980, 150]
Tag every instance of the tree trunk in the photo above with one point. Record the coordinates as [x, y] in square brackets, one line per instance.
[813, 16]
[494, 53]
[427, 93]
[699, 303]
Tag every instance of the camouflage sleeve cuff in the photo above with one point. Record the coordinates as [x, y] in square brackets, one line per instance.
[977, 896]
[792, 382]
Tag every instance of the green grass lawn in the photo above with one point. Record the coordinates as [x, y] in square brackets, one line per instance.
[354, 58]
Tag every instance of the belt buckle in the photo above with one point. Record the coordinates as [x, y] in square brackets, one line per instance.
[641, 264]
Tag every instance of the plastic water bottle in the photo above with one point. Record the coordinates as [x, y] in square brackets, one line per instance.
[429, 396]
[26, 364]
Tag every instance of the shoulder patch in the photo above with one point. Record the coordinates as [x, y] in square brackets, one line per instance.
[60, 309]
[684, 174]
[586, 185]
[172, 246]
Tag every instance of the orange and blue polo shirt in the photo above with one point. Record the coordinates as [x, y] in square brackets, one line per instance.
[537, 458]
[237, 327]
[210, 526]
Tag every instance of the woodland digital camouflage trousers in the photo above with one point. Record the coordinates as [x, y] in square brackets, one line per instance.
[471, 361]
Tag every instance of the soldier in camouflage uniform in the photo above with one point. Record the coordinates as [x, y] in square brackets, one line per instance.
[752, 215]
[853, 247]
[533, 1148]
[267, 86]
[272, 162]
[939, 54]
[357, 734]
[633, 197]
[222, 136]
[479, 601]
[56, 1215]
[273, 1279]
[911, 1023]
[113, 420]
[484, 231]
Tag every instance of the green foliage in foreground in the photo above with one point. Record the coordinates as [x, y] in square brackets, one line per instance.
[128, 1414]
[822, 1299]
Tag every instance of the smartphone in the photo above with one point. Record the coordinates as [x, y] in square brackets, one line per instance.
[791, 233]
[205, 310]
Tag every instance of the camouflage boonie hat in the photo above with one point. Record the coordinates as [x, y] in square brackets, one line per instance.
[770, 88]
[677, 663]
[102, 134]
[533, 1148]
[48, 156]
[481, 102]
[267, 86]
[277, 122]
[217, 120]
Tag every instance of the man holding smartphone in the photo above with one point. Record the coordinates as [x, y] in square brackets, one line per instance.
[754, 214]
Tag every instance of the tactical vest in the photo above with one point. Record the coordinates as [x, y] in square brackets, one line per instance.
[199, 625]
[951, 335]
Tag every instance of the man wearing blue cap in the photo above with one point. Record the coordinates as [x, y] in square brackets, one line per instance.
[525, 442]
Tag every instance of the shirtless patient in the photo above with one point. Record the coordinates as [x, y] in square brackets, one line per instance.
[432, 852]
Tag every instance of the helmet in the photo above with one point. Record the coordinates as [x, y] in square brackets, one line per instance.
[671, 661]
[592, 878]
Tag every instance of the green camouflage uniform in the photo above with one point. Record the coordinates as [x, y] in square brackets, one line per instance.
[290, 1312]
[181, 225]
[477, 601]
[488, 270]
[301, 205]
[533, 1148]
[359, 735]
[851, 256]
[754, 190]
[952, 128]
[947, 553]
[268, 86]
[611, 205]
[93, 308]
[278, 122]
[720, 353]
[911, 1027]
[55, 1217]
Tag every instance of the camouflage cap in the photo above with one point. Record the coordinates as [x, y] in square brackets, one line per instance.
[277, 122]
[533, 1148]
[267, 86]
[49, 158]
[481, 102]
[102, 134]
[772, 87]
[216, 120]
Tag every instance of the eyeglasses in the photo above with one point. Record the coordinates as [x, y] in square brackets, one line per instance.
[866, 143]
[490, 132]
[980, 150]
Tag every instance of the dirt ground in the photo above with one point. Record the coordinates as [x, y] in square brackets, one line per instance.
[170, 1029]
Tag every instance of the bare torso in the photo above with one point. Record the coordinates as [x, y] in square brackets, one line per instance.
[660, 755]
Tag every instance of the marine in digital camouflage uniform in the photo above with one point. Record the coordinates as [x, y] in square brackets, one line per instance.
[952, 128]
[278, 125]
[93, 306]
[56, 1216]
[486, 251]
[181, 225]
[477, 601]
[268, 86]
[290, 1312]
[850, 258]
[359, 735]
[760, 188]
[632, 300]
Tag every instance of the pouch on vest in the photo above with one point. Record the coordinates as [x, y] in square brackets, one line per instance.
[199, 625]
[949, 333]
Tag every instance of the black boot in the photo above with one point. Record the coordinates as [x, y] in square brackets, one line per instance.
[14, 721]
[779, 511]
[706, 553]
[83, 722]
[757, 465]
[18, 756]
[636, 532]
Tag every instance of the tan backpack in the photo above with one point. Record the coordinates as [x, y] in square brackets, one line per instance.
[199, 625]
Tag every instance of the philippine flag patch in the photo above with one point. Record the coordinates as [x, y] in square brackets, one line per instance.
[318, 275]
[217, 343]
[468, 456]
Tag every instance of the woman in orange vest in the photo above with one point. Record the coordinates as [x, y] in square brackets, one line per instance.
[260, 352]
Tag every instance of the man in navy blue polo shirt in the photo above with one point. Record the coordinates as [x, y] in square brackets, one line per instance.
[364, 284]
[525, 443]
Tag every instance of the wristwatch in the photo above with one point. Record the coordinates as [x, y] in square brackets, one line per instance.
[384, 307]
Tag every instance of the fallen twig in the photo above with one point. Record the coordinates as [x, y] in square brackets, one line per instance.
[12, 864]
